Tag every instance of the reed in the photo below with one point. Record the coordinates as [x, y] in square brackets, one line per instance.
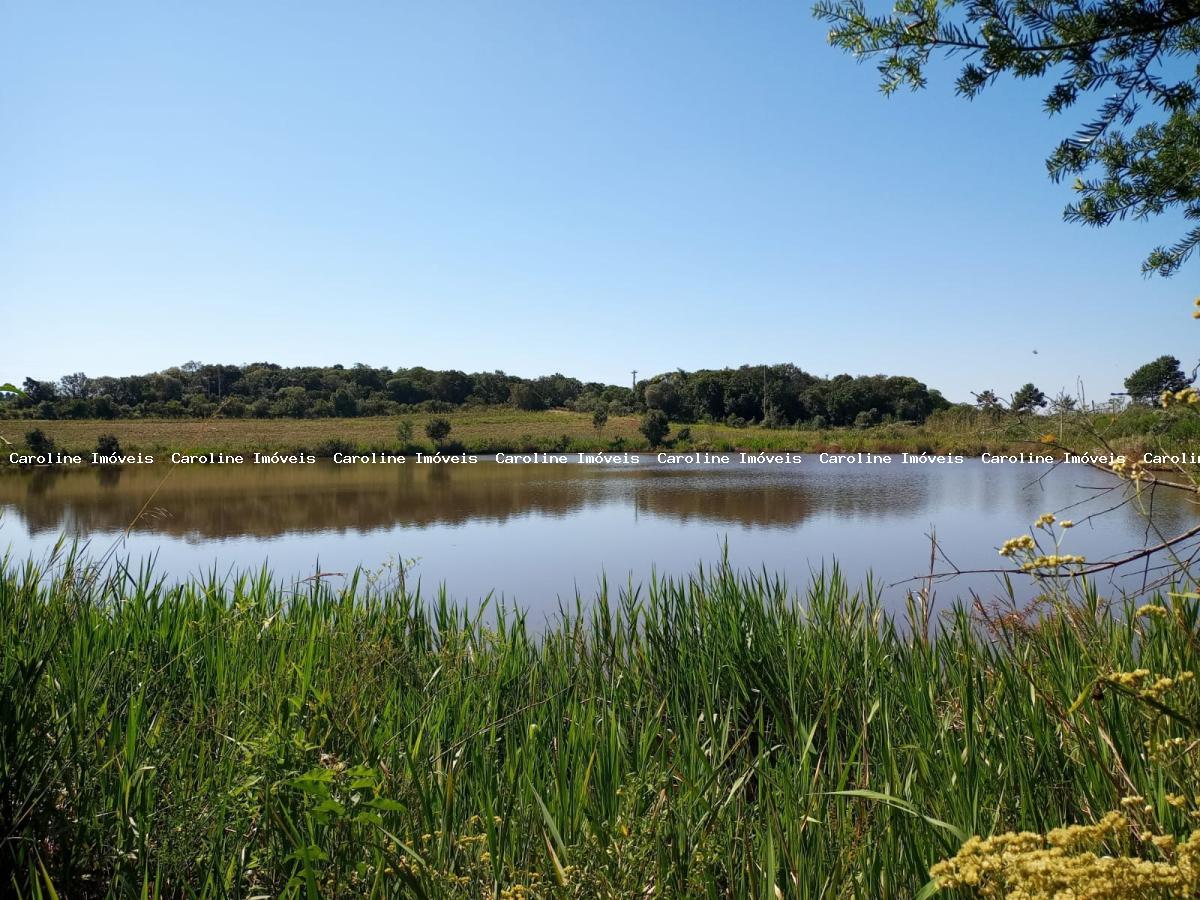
[722, 735]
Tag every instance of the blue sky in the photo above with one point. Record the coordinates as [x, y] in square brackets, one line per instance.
[539, 187]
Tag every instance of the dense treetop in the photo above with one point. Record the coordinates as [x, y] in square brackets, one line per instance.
[775, 395]
[1139, 156]
[1163, 374]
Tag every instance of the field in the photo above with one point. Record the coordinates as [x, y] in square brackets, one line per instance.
[718, 737]
[494, 429]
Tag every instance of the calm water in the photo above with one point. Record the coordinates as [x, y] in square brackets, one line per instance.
[534, 533]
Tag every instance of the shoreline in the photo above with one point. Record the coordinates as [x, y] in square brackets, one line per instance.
[499, 429]
[690, 458]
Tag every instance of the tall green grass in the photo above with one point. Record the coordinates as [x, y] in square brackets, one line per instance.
[717, 736]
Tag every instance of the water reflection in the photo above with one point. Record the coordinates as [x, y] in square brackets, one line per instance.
[261, 501]
[535, 532]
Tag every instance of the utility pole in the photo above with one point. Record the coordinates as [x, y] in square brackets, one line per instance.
[635, 381]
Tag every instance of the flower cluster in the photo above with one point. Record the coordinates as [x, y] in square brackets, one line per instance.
[1138, 678]
[1034, 559]
[1012, 545]
[1128, 679]
[1053, 561]
[1163, 683]
[1134, 471]
[1137, 800]
[1066, 862]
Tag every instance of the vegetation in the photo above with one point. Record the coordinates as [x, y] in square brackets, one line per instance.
[1028, 399]
[654, 427]
[37, 441]
[959, 429]
[1147, 383]
[1144, 141]
[716, 736]
[776, 396]
[438, 429]
[404, 432]
[721, 735]
[779, 396]
[108, 445]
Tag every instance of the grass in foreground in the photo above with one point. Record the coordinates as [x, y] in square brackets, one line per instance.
[714, 737]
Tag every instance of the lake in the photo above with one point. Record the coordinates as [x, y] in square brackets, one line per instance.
[535, 533]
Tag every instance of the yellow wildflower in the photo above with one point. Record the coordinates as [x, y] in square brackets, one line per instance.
[1128, 679]
[1053, 561]
[1012, 545]
[1069, 862]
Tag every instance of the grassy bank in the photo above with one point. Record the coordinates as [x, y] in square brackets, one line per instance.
[709, 738]
[496, 429]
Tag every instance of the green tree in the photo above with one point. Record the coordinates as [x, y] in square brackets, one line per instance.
[438, 430]
[1146, 382]
[987, 400]
[1137, 157]
[1063, 403]
[1028, 399]
[404, 431]
[599, 418]
[655, 427]
[102, 408]
[344, 404]
[663, 395]
[40, 391]
[452, 386]
[77, 386]
[708, 396]
[525, 396]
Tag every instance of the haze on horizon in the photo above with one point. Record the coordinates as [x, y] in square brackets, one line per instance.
[587, 190]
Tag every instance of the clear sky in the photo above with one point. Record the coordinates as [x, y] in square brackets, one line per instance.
[538, 187]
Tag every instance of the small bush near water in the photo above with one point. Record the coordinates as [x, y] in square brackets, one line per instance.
[718, 736]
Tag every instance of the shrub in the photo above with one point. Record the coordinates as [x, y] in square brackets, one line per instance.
[404, 431]
[38, 441]
[655, 427]
[233, 409]
[108, 445]
[866, 418]
[438, 430]
[326, 449]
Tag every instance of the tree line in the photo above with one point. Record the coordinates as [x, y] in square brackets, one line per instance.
[773, 395]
